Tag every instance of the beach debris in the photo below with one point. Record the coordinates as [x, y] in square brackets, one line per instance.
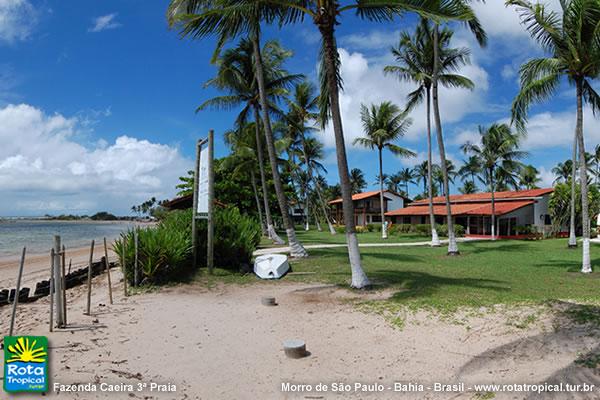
[268, 301]
[271, 266]
[295, 348]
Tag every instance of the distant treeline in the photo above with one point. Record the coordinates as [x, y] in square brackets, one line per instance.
[99, 216]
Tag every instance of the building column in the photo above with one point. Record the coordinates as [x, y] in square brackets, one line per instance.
[468, 228]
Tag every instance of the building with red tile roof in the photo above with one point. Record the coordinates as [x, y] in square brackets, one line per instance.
[513, 209]
[367, 208]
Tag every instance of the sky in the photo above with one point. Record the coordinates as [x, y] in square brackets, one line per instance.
[98, 99]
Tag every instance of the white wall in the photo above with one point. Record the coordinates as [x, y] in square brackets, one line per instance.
[395, 202]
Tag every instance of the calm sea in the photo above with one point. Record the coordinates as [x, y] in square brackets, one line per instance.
[38, 236]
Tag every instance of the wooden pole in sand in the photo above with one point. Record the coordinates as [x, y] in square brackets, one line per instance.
[211, 203]
[89, 281]
[124, 265]
[51, 287]
[16, 299]
[135, 263]
[64, 284]
[58, 293]
[108, 272]
[70, 261]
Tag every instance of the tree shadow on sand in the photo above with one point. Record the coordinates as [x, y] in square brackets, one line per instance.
[541, 358]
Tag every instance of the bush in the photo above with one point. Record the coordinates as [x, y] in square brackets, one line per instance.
[165, 251]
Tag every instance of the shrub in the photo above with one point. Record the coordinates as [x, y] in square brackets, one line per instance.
[165, 251]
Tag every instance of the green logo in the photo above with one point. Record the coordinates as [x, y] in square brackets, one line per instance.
[25, 364]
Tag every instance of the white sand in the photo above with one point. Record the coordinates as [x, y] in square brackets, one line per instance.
[223, 344]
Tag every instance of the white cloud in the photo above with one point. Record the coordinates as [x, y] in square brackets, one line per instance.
[365, 82]
[373, 40]
[17, 19]
[547, 130]
[41, 165]
[104, 22]
[547, 177]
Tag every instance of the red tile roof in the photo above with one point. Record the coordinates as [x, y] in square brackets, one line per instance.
[478, 197]
[473, 208]
[364, 195]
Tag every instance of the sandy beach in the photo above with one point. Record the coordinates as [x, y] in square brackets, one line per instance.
[221, 343]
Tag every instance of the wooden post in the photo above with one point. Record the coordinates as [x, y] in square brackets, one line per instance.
[135, 261]
[60, 320]
[17, 290]
[195, 205]
[70, 261]
[124, 265]
[211, 203]
[64, 284]
[89, 281]
[108, 272]
[51, 284]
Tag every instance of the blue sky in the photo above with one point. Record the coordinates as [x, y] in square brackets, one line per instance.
[97, 99]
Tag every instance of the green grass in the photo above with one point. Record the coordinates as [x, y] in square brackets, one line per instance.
[485, 274]
[315, 237]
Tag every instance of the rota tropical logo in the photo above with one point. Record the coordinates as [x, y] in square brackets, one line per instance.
[25, 364]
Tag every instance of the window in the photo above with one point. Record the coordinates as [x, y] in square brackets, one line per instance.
[547, 219]
[423, 220]
[376, 218]
[406, 220]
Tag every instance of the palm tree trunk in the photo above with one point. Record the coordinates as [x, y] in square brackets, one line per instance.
[263, 180]
[435, 239]
[318, 190]
[381, 208]
[258, 206]
[493, 188]
[359, 278]
[586, 266]
[307, 227]
[296, 249]
[572, 233]
[452, 245]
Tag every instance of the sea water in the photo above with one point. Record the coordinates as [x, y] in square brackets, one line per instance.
[38, 235]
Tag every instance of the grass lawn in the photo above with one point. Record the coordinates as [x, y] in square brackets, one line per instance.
[486, 273]
[315, 237]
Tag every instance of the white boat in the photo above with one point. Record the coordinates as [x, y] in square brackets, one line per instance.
[271, 266]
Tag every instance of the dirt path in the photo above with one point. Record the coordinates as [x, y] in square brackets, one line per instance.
[286, 249]
[223, 344]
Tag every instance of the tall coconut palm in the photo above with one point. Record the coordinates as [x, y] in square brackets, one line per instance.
[414, 56]
[227, 19]
[395, 182]
[573, 43]
[422, 174]
[235, 76]
[480, 35]
[470, 169]
[243, 160]
[596, 157]
[383, 124]
[529, 177]
[562, 171]
[325, 14]
[468, 188]
[499, 149]
[407, 177]
[303, 110]
[357, 181]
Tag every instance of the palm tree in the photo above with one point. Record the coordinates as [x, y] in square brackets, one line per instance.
[227, 19]
[407, 176]
[186, 184]
[573, 41]
[357, 181]
[596, 156]
[529, 178]
[243, 159]
[477, 30]
[562, 171]
[422, 173]
[470, 169]
[498, 151]
[415, 58]
[383, 124]
[325, 14]
[468, 188]
[235, 75]
[394, 182]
